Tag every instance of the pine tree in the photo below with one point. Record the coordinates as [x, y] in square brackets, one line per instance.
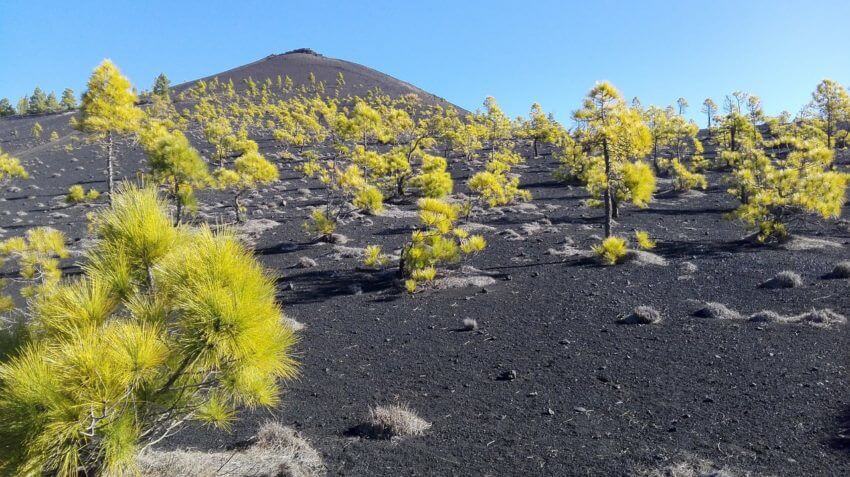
[23, 105]
[540, 128]
[709, 108]
[68, 101]
[109, 110]
[51, 105]
[437, 241]
[617, 133]
[165, 326]
[173, 162]
[37, 102]
[773, 191]
[831, 105]
[162, 86]
[249, 171]
[6, 108]
[682, 103]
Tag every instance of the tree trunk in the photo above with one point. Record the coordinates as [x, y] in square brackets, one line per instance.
[110, 146]
[732, 144]
[178, 203]
[655, 158]
[609, 210]
[238, 207]
[534, 144]
[615, 207]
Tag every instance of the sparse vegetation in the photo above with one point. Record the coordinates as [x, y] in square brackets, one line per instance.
[77, 195]
[164, 321]
[611, 250]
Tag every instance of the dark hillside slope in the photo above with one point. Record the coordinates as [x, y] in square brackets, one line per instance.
[298, 64]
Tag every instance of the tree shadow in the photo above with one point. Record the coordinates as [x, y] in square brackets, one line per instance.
[672, 249]
[319, 285]
[285, 247]
[840, 439]
[686, 212]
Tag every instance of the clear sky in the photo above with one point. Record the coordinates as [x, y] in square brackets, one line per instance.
[520, 51]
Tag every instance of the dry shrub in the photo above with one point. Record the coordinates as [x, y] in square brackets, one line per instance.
[394, 420]
[278, 451]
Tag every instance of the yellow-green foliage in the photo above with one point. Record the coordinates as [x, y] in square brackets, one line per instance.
[643, 240]
[36, 130]
[109, 104]
[612, 250]
[637, 184]
[54, 136]
[10, 169]
[684, 179]
[195, 333]
[37, 254]
[320, 224]
[437, 241]
[77, 194]
[540, 128]
[344, 186]
[250, 170]
[373, 256]
[434, 180]
[774, 191]
[494, 186]
[173, 162]
[611, 131]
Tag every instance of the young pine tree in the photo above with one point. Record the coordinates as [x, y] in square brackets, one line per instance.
[10, 169]
[166, 325]
[109, 110]
[173, 162]
[617, 138]
[831, 106]
[249, 171]
[438, 241]
[774, 192]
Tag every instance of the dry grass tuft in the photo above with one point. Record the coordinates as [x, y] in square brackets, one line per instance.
[841, 270]
[783, 279]
[689, 466]
[278, 451]
[824, 318]
[395, 420]
[642, 315]
[717, 311]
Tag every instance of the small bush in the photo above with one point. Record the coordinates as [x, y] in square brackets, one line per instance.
[784, 279]
[717, 311]
[373, 256]
[642, 315]
[841, 270]
[77, 195]
[643, 240]
[395, 420]
[612, 250]
[320, 224]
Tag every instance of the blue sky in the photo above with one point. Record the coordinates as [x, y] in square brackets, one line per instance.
[520, 52]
